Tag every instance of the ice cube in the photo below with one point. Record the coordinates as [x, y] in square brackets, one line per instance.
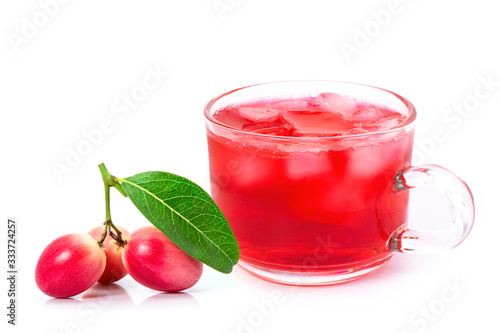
[382, 124]
[317, 123]
[391, 122]
[231, 117]
[308, 165]
[278, 126]
[269, 128]
[373, 161]
[365, 162]
[250, 170]
[258, 115]
[290, 105]
[374, 118]
[333, 102]
[366, 114]
[356, 131]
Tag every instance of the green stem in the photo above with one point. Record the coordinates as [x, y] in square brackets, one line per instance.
[104, 234]
[109, 181]
[108, 206]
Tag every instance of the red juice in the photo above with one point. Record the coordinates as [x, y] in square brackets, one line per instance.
[306, 183]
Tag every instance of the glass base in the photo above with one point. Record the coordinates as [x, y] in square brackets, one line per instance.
[313, 278]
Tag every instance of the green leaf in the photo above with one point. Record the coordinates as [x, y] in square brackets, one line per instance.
[186, 214]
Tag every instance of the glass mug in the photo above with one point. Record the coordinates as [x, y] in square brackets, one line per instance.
[313, 178]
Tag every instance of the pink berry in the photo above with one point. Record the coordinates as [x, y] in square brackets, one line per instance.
[70, 265]
[114, 270]
[157, 263]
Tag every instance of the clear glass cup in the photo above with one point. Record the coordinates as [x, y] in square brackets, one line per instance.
[323, 210]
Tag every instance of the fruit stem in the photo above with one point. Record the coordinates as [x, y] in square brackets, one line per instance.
[108, 206]
[119, 240]
[109, 181]
[104, 234]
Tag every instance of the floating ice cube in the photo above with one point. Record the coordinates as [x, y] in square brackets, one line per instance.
[258, 115]
[278, 126]
[375, 161]
[291, 105]
[333, 102]
[390, 122]
[382, 124]
[231, 117]
[366, 162]
[366, 114]
[308, 165]
[253, 170]
[270, 128]
[317, 123]
[356, 130]
[372, 118]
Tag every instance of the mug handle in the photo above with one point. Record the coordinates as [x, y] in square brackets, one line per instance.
[459, 198]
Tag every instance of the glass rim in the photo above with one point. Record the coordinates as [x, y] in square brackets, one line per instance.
[407, 124]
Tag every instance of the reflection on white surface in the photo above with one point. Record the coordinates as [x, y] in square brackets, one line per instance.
[112, 293]
[170, 300]
[60, 303]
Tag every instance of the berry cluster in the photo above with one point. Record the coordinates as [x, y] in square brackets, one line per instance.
[73, 263]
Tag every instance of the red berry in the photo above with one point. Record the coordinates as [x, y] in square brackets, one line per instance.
[157, 263]
[69, 265]
[114, 270]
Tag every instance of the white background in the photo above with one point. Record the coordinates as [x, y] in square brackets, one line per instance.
[66, 75]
